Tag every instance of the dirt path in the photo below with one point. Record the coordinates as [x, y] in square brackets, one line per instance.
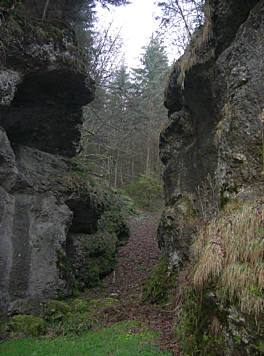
[135, 260]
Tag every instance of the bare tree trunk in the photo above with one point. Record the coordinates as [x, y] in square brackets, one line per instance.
[148, 158]
[116, 171]
[45, 9]
[184, 19]
[109, 171]
[132, 167]
[121, 176]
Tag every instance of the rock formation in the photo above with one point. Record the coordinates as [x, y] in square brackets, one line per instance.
[212, 147]
[212, 150]
[43, 86]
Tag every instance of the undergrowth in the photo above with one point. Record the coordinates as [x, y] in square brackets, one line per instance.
[146, 191]
[230, 255]
[159, 282]
[221, 295]
[126, 339]
[77, 332]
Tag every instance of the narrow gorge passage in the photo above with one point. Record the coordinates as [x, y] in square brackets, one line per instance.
[134, 261]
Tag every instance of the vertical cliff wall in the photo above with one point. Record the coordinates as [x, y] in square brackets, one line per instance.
[42, 90]
[212, 148]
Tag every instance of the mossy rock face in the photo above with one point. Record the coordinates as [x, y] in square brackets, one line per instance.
[28, 325]
[159, 282]
[92, 256]
[208, 325]
[25, 306]
[176, 229]
[224, 295]
[66, 273]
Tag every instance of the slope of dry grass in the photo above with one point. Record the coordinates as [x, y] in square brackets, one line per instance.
[230, 255]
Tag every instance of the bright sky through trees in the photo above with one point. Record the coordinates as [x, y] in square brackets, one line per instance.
[136, 22]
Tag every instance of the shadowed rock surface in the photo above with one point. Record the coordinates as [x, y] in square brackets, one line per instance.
[43, 86]
[212, 150]
[213, 141]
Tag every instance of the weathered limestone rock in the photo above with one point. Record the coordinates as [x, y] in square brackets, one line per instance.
[9, 79]
[42, 90]
[212, 147]
[44, 78]
[39, 233]
[8, 170]
[7, 203]
[34, 226]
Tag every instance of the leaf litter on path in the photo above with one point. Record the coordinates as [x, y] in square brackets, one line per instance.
[134, 261]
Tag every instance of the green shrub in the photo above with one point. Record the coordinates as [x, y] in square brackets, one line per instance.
[28, 325]
[114, 222]
[159, 282]
[80, 305]
[199, 325]
[145, 190]
[55, 309]
[74, 323]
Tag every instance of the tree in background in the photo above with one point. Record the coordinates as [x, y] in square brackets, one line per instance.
[149, 82]
[68, 10]
[179, 18]
[123, 125]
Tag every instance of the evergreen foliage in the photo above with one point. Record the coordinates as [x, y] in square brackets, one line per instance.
[67, 10]
[123, 123]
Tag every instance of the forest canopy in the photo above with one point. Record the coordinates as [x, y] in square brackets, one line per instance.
[70, 10]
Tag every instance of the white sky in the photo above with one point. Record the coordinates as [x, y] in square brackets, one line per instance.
[136, 22]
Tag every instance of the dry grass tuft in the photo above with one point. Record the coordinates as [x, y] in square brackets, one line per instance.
[192, 54]
[230, 255]
[195, 52]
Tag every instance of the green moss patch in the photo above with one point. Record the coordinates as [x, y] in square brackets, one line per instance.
[101, 303]
[114, 222]
[199, 326]
[159, 282]
[73, 324]
[55, 309]
[93, 256]
[28, 325]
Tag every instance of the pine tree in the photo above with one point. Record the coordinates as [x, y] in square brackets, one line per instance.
[149, 84]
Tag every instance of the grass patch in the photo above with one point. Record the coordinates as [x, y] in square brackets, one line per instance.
[124, 339]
